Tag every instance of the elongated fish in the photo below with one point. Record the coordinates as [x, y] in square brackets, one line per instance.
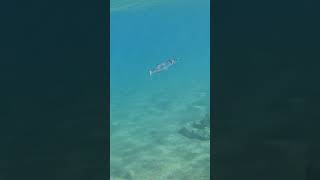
[162, 66]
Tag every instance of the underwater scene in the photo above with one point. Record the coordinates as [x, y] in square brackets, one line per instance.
[160, 90]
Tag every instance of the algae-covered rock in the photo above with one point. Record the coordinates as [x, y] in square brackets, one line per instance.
[199, 129]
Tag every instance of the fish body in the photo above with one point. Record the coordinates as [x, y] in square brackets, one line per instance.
[162, 66]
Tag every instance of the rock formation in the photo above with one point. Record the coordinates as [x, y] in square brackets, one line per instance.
[198, 129]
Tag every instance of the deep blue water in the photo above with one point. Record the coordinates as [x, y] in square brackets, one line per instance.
[142, 38]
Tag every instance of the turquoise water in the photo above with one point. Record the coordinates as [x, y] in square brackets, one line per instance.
[146, 113]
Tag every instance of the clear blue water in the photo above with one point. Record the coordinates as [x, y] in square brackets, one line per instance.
[147, 112]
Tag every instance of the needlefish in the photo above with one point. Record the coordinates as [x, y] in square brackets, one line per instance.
[162, 66]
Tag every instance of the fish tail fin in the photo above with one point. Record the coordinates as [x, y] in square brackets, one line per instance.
[150, 73]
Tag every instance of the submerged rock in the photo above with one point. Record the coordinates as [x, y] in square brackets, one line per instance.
[199, 129]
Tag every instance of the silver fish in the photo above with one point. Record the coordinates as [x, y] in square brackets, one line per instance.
[162, 66]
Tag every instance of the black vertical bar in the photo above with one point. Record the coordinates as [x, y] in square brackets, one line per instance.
[54, 95]
[265, 100]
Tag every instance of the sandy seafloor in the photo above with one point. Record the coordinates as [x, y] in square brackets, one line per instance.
[146, 144]
[147, 113]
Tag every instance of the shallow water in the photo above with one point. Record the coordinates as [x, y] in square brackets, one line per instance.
[146, 113]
